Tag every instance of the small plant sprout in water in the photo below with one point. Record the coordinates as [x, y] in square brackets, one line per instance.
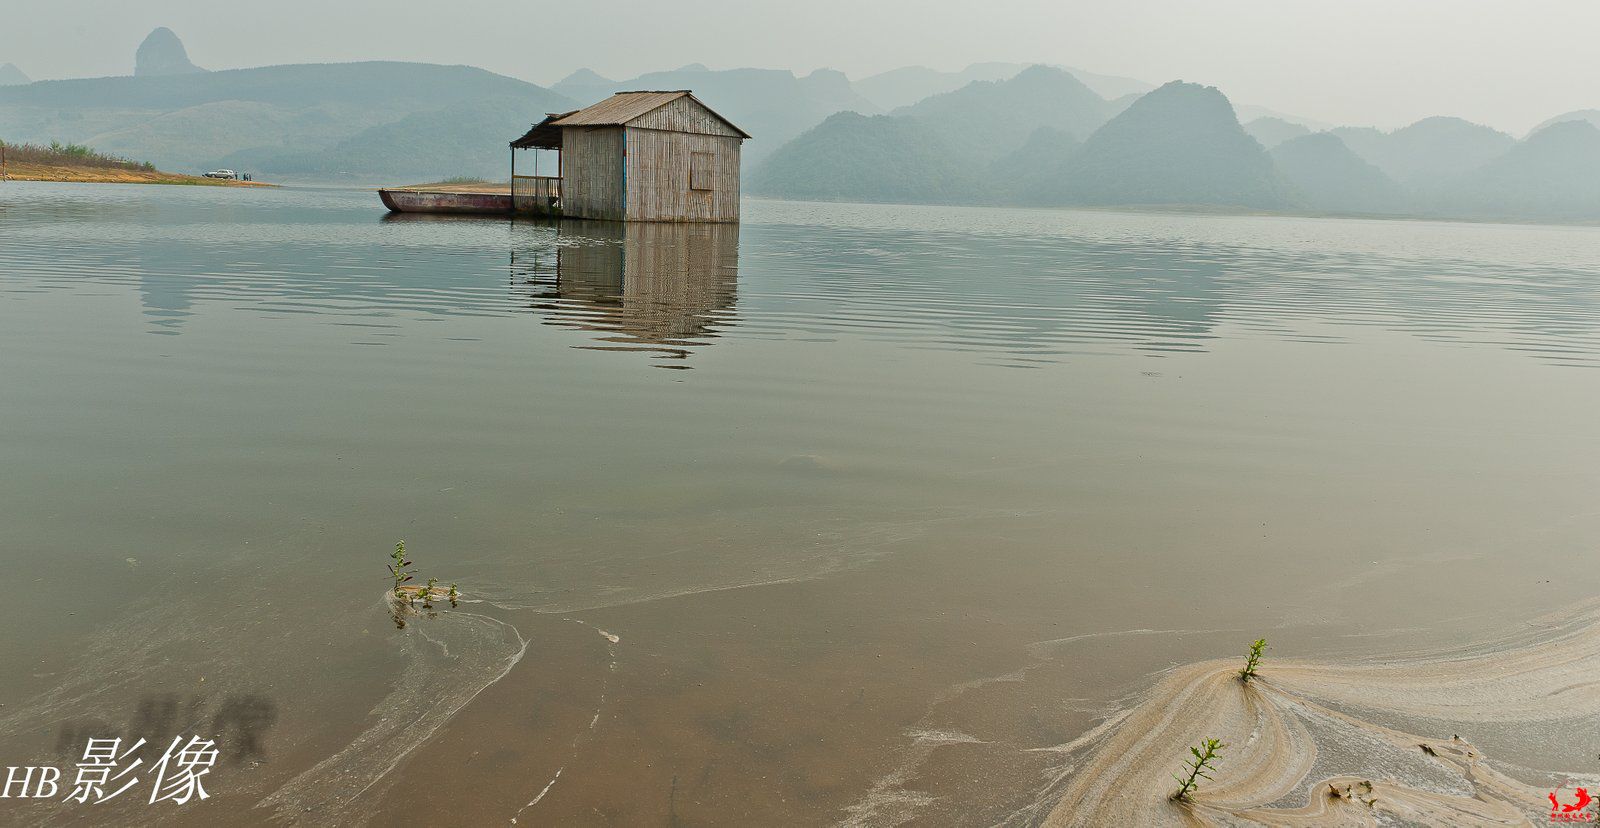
[1252, 661]
[405, 597]
[398, 569]
[1204, 760]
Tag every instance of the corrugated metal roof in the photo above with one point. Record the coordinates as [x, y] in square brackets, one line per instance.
[620, 108]
[623, 107]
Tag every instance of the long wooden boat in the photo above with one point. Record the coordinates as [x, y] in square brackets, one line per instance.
[400, 200]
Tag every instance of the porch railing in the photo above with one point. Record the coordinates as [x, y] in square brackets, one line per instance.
[535, 193]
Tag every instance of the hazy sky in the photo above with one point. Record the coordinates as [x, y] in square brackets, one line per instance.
[1509, 63]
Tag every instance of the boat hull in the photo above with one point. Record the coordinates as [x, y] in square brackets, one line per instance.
[430, 201]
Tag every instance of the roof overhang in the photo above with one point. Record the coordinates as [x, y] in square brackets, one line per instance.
[543, 135]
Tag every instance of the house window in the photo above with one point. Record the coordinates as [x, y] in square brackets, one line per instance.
[701, 167]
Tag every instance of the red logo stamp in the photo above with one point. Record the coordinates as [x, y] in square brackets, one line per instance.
[1576, 811]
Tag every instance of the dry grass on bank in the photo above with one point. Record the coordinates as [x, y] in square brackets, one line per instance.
[78, 163]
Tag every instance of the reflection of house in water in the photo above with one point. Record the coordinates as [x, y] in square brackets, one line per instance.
[654, 287]
[166, 286]
[166, 302]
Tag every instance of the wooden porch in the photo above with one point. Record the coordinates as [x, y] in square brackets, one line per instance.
[536, 194]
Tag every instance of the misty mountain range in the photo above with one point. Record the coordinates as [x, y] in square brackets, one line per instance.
[1043, 138]
[994, 133]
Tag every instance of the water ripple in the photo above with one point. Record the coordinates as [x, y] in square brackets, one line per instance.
[1003, 287]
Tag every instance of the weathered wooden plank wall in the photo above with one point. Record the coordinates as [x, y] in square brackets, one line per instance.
[593, 170]
[684, 115]
[660, 166]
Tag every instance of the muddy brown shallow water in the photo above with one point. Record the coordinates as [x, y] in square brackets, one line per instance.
[893, 513]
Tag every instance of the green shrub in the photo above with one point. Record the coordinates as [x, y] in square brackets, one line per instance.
[78, 155]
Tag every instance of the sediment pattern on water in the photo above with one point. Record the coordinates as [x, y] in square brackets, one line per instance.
[1312, 743]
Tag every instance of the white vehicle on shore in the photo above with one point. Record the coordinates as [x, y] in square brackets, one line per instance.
[222, 174]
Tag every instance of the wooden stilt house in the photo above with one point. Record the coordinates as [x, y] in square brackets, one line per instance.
[636, 156]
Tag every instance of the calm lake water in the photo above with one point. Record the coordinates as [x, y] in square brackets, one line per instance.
[849, 513]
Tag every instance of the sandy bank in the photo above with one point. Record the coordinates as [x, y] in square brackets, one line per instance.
[114, 175]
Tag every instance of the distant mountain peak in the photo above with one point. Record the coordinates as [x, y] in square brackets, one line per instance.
[1443, 120]
[998, 116]
[1039, 70]
[1193, 103]
[10, 75]
[832, 82]
[1564, 134]
[1196, 93]
[1449, 124]
[1328, 176]
[1032, 80]
[1431, 151]
[162, 53]
[584, 77]
[694, 67]
[907, 85]
[1180, 143]
[1553, 173]
[1590, 115]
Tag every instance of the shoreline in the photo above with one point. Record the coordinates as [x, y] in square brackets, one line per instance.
[72, 174]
